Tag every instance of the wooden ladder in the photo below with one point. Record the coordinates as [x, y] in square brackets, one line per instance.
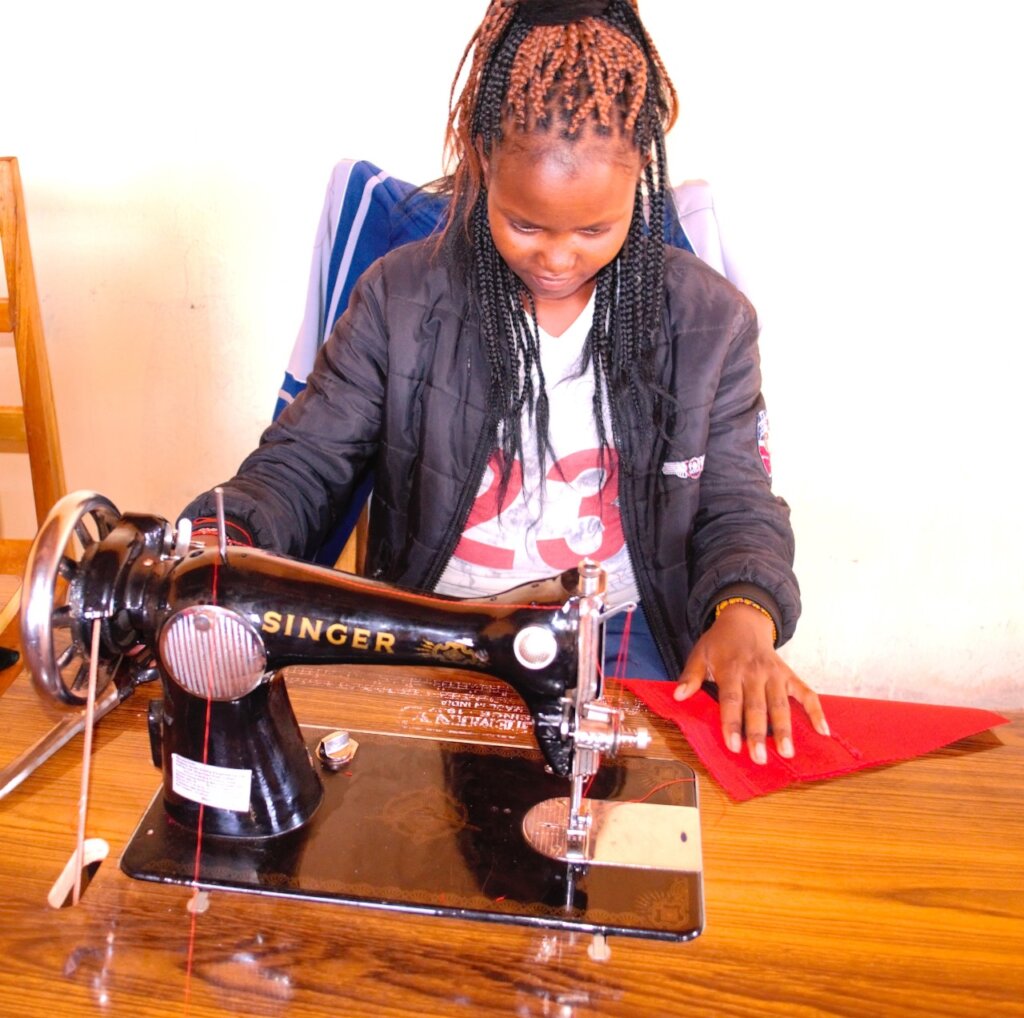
[31, 427]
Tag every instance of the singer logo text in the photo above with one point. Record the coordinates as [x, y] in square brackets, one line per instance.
[339, 634]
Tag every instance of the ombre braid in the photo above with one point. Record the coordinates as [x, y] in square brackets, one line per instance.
[600, 73]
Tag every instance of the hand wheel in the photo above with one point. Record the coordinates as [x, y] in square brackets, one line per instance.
[55, 638]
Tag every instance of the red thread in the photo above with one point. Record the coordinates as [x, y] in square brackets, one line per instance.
[199, 527]
[664, 784]
[397, 594]
[623, 656]
[615, 698]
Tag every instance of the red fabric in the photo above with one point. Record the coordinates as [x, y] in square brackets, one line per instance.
[865, 733]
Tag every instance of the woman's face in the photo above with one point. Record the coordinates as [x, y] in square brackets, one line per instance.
[560, 211]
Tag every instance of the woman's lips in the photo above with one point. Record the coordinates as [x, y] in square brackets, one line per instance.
[550, 284]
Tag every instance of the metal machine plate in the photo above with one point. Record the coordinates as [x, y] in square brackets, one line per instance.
[435, 827]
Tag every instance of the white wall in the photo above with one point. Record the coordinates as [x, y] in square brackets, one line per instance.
[865, 158]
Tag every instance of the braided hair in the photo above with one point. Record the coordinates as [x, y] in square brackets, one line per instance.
[561, 67]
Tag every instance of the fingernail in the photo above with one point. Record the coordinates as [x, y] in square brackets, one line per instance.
[786, 747]
[735, 742]
[759, 753]
[823, 728]
[679, 693]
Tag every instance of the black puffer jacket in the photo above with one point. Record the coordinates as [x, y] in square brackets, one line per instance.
[401, 389]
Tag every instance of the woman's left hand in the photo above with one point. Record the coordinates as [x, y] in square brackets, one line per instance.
[754, 683]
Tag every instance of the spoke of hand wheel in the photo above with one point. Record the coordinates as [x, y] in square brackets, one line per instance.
[81, 679]
[83, 533]
[61, 617]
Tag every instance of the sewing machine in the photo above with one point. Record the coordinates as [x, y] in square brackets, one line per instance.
[118, 600]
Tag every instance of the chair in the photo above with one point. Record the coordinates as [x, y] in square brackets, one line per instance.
[31, 427]
[367, 212]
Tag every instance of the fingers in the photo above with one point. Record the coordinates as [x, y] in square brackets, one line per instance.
[754, 687]
[691, 677]
[808, 699]
[753, 709]
[730, 705]
[777, 693]
[763, 707]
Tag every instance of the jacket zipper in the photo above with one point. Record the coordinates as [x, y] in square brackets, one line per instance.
[648, 601]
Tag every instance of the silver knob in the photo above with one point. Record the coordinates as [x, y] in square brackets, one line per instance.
[535, 647]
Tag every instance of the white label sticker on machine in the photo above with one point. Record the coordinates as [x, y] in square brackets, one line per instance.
[220, 787]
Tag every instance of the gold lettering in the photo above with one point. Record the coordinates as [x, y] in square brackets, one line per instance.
[309, 629]
[303, 627]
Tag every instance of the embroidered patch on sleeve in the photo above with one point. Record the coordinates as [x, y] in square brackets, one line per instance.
[691, 468]
[762, 441]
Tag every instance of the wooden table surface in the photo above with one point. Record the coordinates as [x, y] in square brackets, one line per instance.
[897, 891]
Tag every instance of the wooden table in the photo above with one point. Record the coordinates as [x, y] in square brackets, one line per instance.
[898, 891]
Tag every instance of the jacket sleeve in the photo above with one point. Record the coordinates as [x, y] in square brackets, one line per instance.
[290, 491]
[742, 541]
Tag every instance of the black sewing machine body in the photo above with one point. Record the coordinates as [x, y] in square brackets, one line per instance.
[299, 613]
[125, 599]
[218, 624]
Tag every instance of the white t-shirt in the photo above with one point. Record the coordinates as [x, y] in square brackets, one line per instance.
[543, 530]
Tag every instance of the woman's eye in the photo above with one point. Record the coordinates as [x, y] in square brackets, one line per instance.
[523, 228]
[594, 231]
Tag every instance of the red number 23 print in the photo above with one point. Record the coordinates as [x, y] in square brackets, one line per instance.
[556, 552]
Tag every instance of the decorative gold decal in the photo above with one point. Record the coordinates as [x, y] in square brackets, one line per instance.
[452, 652]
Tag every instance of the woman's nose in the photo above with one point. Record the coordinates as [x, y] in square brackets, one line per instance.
[557, 259]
